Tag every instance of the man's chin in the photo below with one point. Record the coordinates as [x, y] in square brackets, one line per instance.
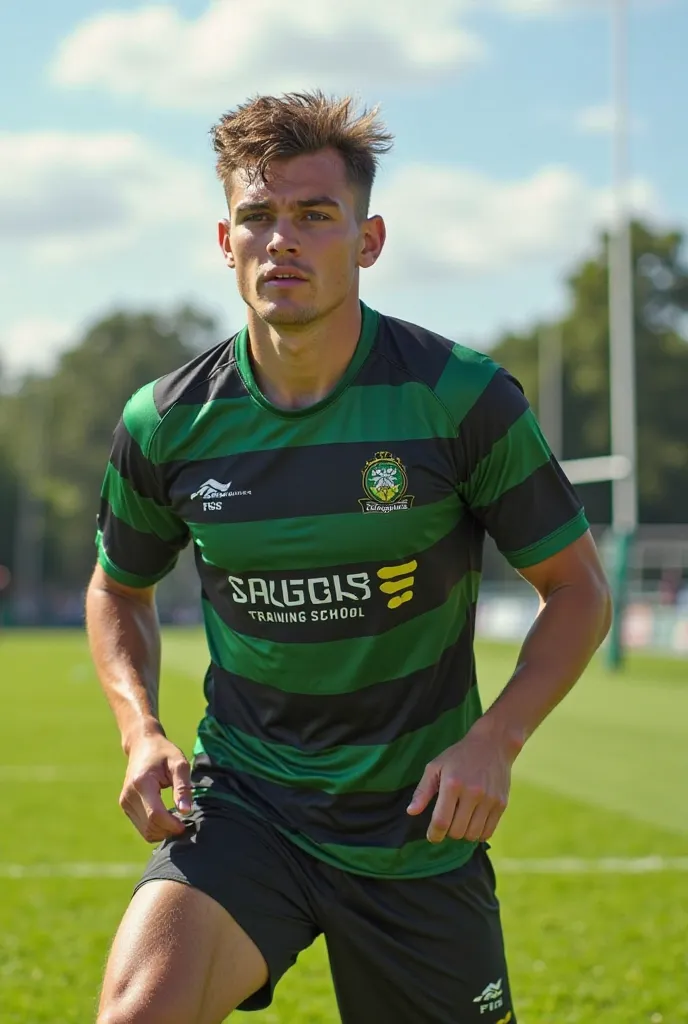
[278, 315]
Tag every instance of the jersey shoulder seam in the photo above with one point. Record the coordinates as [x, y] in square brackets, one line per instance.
[221, 366]
[428, 387]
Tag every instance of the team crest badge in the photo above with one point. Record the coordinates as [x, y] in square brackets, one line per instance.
[385, 483]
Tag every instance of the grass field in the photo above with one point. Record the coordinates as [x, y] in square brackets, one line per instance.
[591, 940]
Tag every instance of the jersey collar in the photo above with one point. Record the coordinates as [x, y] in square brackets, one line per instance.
[369, 325]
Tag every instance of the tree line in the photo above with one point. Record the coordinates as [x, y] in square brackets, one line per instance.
[55, 430]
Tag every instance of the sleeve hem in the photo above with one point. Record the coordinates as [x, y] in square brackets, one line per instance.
[128, 579]
[550, 545]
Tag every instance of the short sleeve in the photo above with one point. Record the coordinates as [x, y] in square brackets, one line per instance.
[511, 481]
[139, 536]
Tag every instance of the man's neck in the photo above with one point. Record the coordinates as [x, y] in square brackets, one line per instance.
[297, 367]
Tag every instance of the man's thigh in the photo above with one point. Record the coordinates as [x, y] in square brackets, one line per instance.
[248, 874]
[178, 958]
[428, 949]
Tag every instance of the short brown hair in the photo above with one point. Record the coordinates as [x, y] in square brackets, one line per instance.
[268, 128]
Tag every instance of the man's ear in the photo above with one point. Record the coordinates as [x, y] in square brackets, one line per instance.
[225, 244]
[373, 237]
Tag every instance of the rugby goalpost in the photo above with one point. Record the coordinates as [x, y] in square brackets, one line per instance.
[620, 467]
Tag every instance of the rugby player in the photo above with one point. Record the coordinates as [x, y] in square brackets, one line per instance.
[336, 471]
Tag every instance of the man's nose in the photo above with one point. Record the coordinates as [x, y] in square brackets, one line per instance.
[284, 239]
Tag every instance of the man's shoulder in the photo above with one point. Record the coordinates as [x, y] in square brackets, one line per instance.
[457, 374]
[206, 376]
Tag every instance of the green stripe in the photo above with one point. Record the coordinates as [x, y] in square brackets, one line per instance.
[143, 514]
[275, 544]
[418, 859]
[510, 461]
[378, 768]
[463, 380]
[342, 666]
[141, 417]
[230, 426]
[127, 578]
[550, 545]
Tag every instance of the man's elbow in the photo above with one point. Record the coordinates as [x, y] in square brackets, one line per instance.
[601, 599]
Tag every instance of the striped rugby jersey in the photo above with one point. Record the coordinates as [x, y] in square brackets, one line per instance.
[339, 550]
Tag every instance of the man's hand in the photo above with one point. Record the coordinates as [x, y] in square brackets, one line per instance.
[156, 764]
[472, 780]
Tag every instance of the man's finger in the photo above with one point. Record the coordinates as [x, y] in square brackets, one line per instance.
[493, 820]
[181, 785]
[450, 794]
[463, 812]
[156, 812]
[425, 791]
[474, 829]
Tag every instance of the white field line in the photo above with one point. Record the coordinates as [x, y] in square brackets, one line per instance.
[53, 773]
[506, 866]
[590, 866]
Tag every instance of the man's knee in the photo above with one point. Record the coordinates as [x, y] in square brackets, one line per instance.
[142, 1007]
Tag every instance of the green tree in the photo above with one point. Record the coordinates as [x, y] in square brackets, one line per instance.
[661, 307]
[67, 421]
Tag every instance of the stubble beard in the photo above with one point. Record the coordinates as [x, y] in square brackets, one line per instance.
[298, 317]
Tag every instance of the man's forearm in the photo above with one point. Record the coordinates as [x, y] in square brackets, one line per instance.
[570, 627]
[124, 638]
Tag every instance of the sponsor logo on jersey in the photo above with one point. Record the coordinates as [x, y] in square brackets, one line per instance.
[213, 493]
[321, 598]
[385, 483]
[492, 998]
[398, 580]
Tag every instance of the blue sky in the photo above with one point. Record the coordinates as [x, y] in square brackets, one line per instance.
[498, 182]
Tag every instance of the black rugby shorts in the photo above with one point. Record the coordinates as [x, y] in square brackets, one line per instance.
[416, 951]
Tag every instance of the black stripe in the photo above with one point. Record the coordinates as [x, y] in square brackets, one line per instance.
[422, 354]
[490, 418]
[532, 510]
[286, 481]
[142, 554]
[130, 462]
[212, 374]
[439, 569]
[363, 819]
[376, 714]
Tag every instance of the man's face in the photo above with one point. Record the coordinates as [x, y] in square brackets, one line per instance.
[295, 241]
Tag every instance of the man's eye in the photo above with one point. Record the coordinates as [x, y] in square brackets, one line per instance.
[255, 216]
[314, 215]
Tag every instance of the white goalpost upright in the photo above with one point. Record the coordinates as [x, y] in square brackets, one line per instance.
[620, 467]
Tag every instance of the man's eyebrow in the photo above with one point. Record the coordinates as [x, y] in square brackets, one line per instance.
[317, 201]
[244, 207]
[302, 204]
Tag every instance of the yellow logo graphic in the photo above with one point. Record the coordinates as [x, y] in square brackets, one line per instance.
[385, 483]
[507, 1019]
[402, 589]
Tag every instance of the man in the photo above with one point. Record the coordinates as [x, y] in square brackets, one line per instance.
[336, 471]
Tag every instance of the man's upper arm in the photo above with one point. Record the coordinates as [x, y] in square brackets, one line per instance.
[101, 581]
[511, 481]
[575, 565]
[139, 536]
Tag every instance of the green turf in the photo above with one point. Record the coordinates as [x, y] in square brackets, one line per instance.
[605, 777]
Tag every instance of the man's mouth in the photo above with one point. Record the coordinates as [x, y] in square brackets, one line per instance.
[284, 277]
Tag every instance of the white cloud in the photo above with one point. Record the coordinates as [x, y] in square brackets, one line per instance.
[538, 7]
[234, 49]
[552, 7]
[444, 221]
[33, 343]
[600, 119]
[66, 196]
